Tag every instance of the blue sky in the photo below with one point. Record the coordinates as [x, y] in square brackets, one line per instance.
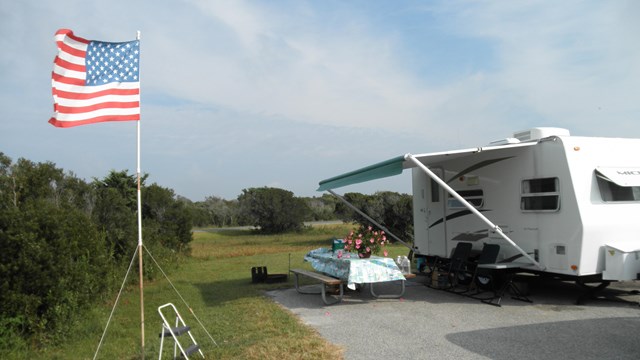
[240, 94]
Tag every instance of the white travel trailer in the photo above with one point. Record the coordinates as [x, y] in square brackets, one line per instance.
[556, 204]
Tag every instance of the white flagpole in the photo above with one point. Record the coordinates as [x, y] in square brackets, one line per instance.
[140, 267]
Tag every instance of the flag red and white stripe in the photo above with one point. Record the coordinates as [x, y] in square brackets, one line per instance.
[82, 98]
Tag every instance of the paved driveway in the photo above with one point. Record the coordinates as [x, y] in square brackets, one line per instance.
[428, 324]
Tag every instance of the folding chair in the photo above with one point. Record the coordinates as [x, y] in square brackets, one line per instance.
[449, 269]
[489, 255]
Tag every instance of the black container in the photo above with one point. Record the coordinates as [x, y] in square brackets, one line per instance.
[259, 274]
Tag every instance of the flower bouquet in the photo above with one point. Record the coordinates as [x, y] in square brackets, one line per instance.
[366, 241]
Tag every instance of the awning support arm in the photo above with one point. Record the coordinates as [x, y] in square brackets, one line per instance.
[470, 207]
[341, 198]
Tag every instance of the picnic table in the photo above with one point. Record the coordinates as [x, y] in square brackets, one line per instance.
[354, 270]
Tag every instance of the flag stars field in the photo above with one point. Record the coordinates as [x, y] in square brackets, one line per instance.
[112, 62]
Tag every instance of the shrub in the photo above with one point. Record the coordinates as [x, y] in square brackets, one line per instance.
[273, 210]
[54, 262]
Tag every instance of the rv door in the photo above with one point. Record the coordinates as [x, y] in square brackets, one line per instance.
[429, 223]
[436, 216]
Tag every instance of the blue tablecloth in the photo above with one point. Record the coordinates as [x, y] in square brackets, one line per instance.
[353, 269]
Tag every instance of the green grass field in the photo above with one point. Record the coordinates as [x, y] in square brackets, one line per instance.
[216, 283]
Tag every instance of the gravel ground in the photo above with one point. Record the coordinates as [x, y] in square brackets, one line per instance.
[428, 323]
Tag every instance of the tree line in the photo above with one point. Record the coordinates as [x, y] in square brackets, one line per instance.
[65, 240]
[218, 212]
[276, 210]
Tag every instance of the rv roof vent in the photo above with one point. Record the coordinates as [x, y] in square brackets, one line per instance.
[539, 133]
[506, 141]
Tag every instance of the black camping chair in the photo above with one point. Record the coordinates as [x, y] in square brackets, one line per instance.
[444, 273]
[489, 255]
[497, 280]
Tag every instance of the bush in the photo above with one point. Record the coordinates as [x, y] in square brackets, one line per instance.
[54, 262]
[168, 216]
[272, 210]
[62, 241]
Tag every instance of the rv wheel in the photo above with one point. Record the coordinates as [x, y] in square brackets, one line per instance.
[483, 281]
[489, 282]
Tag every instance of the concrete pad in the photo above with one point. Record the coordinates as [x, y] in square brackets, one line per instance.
[428, 323]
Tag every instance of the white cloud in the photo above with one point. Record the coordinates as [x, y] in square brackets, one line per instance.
[344, 76]
[575, 64]
[556, 66]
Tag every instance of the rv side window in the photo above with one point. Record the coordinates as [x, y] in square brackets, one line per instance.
[540, 195]
[611, 191]
[474, 197]
[435, 191]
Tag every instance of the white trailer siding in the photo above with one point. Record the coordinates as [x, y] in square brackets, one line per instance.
[603, 222]
[560, 231]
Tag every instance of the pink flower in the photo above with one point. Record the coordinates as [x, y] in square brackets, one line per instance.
[365, 238]
[385, 252]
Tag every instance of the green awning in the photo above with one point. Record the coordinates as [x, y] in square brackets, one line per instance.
[380, 170]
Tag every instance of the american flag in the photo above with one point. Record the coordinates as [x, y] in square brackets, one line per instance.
[94, 81]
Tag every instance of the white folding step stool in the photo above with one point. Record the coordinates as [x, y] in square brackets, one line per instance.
[180, 328]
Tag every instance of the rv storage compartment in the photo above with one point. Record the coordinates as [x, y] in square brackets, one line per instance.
[622, 262]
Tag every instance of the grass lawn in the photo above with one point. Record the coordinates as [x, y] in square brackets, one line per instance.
[216, 284]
